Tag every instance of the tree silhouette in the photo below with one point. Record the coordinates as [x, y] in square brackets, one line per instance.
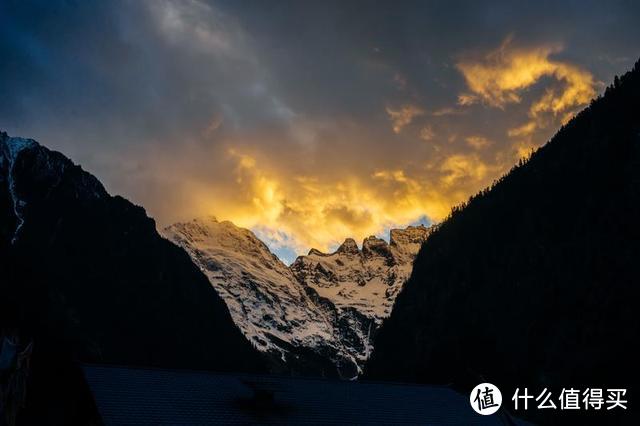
[534, 281]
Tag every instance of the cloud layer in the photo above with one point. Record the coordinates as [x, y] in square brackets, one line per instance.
[306, 122]
[501, 76]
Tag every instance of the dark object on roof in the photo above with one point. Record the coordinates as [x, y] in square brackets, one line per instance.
[130, 396]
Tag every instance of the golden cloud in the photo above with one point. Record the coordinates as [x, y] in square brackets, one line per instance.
[460, 168]
[304, 211]
[478, 142]
[403, 116]
[317, 189]
[524, 130]
[447, 111]
[427, 133]
[499, 78]
[466, 99]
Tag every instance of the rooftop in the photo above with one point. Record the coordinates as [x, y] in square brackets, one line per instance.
[135, 396]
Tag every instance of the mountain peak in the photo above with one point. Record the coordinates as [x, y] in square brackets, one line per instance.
[409, 235]
[11, 147]
[316, 252]
[62, 234]
[267, 302]
[373, 245]
[284, 310]
[349, 246]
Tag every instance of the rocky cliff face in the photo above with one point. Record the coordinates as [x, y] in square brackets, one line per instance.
[320, 314]
[265, 300]
[366, 280]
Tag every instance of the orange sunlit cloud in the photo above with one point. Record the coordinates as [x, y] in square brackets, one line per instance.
[316, 208]
[215, 109]
[403, 116]
[499, 78]
[314, 182]
[303, 211]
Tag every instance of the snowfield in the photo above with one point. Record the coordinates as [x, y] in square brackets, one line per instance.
[328, 304]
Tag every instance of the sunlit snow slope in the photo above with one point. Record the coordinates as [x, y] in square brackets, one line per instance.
[317, 316]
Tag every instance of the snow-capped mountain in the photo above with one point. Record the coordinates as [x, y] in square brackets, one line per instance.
[362, 284]
[318, 314]
[266, 301]
[368, 279]
[9, 150]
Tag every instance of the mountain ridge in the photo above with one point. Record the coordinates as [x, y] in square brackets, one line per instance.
[285, 310]
[61, 234]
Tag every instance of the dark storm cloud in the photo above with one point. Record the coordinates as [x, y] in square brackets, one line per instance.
[284, 115]
[342, 52]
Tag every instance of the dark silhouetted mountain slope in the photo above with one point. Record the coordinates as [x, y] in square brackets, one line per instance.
[85, 276]
[535, 281]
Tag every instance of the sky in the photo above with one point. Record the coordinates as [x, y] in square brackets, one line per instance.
[307, 122]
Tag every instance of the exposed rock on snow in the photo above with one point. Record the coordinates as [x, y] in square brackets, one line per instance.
[362, 284]
[9, 150]
[321, 312]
